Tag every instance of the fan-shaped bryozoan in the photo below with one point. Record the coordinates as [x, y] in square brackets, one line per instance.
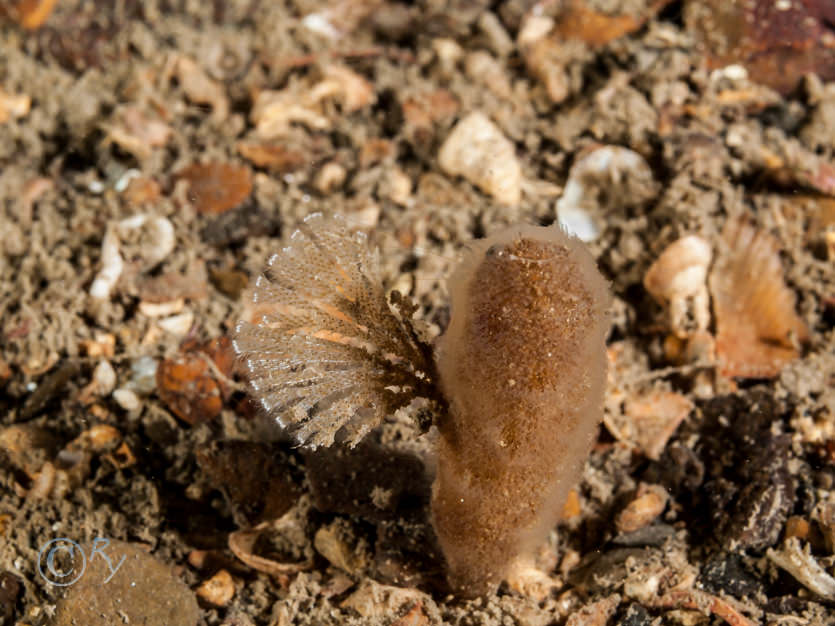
[323, 351]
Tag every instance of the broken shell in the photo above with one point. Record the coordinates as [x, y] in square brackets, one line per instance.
[177, 324]
[804, 567]
[757, 329]
[678, 279]
[290, 527]
[477, 150]
[43, 481]
[337, 542]
[622, 172]
[161, 309]
[159, 242]
[201, 89]
[330, 177]
[648, 504]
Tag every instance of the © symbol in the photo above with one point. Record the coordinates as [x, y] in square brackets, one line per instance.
[57, 576]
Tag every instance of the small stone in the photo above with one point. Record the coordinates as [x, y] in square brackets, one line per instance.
[217, 590]
[330, 177]
[648, 504]
[142, 590]
[217, 187]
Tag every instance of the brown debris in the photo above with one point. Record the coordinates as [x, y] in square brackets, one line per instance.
[142, 190]
[703, 602]
[596, 613]
[31, 14]
[229, 282]
[778, 41]
[373, 600]
[136, 132]
[255, 478]
[273, 156]
[650, 420]
[217, 187]
[415, 617]
[188, 385]
[13, 106]
[201, 89]
[758, 331]
[10, 588]
[578, 20]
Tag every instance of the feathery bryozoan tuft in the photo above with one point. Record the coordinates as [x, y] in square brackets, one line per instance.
[322, 349]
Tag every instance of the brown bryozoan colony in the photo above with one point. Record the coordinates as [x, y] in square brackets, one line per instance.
[519, 380]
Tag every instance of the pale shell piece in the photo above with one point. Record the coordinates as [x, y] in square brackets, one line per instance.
[681, 270]
[274, 111]
[757, 328]
[104, 377]
[160, 309]
[177, 324]
[477, 150]
[330, 177]
[161, 241]
[126, 399]
[111, 267]
[678, 279]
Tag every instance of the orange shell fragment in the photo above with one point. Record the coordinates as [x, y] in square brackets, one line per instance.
[217, 187]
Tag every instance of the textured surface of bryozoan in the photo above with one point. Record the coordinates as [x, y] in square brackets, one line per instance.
[523, 365]
[757, 328]
[322, 350]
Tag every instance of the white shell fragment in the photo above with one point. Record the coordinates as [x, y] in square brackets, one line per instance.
[678, 278]
[605, 166]
[160, 243]
[177, 324]
[803, 566]
[111, 266]
[477, 150]
[127, 399]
